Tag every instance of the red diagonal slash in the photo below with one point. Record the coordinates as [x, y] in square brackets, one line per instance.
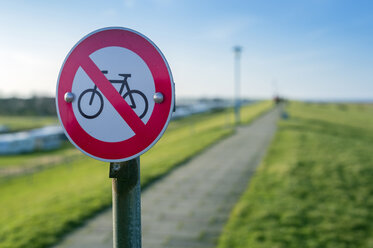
[113, 96]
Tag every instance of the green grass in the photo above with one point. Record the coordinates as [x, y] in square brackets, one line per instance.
[29, 159]
[37, 209]
[315, 187]
[17, 123]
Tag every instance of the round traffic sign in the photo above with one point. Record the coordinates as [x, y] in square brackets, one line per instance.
[115, 94]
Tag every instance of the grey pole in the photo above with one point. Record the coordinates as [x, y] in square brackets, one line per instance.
[237, 74]
[126, 204]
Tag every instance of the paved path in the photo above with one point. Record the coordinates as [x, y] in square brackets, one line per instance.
[189, 207]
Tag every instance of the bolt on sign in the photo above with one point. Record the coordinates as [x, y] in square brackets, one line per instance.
[115, 94]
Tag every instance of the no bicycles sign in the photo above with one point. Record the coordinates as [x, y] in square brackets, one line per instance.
[115, 94]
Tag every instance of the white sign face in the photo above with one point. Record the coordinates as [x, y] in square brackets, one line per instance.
[114, 61]
[111, 77]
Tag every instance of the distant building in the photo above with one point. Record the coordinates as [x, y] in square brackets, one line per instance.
[188, 107]
[45, 138]
[4, 129]
[16, 143]
[180, 112]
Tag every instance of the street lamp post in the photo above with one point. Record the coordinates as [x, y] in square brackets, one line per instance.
[237, 102]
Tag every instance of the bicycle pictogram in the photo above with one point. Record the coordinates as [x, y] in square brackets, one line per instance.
[94, 108]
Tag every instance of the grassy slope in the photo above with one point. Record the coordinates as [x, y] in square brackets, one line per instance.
[16, 123]
[314, 188]
[35, 210]
[35, 158]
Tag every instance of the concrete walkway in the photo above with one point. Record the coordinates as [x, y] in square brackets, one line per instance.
[189, 207]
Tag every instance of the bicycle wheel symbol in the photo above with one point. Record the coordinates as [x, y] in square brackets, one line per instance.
[92, 108]
[134, 96]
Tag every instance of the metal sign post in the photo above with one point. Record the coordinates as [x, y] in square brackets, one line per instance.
[126, 203]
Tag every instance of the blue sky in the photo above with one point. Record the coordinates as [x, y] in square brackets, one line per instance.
[316, 49]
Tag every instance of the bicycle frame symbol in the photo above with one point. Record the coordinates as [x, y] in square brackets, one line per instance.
[91, 93]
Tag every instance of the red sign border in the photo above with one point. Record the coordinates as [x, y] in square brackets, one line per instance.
[153, 57]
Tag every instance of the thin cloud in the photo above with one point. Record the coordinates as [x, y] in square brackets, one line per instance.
[226, 29]
[162, 2]
[109, 13]
[129, 3]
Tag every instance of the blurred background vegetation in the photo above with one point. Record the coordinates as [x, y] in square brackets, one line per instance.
[34, 106]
